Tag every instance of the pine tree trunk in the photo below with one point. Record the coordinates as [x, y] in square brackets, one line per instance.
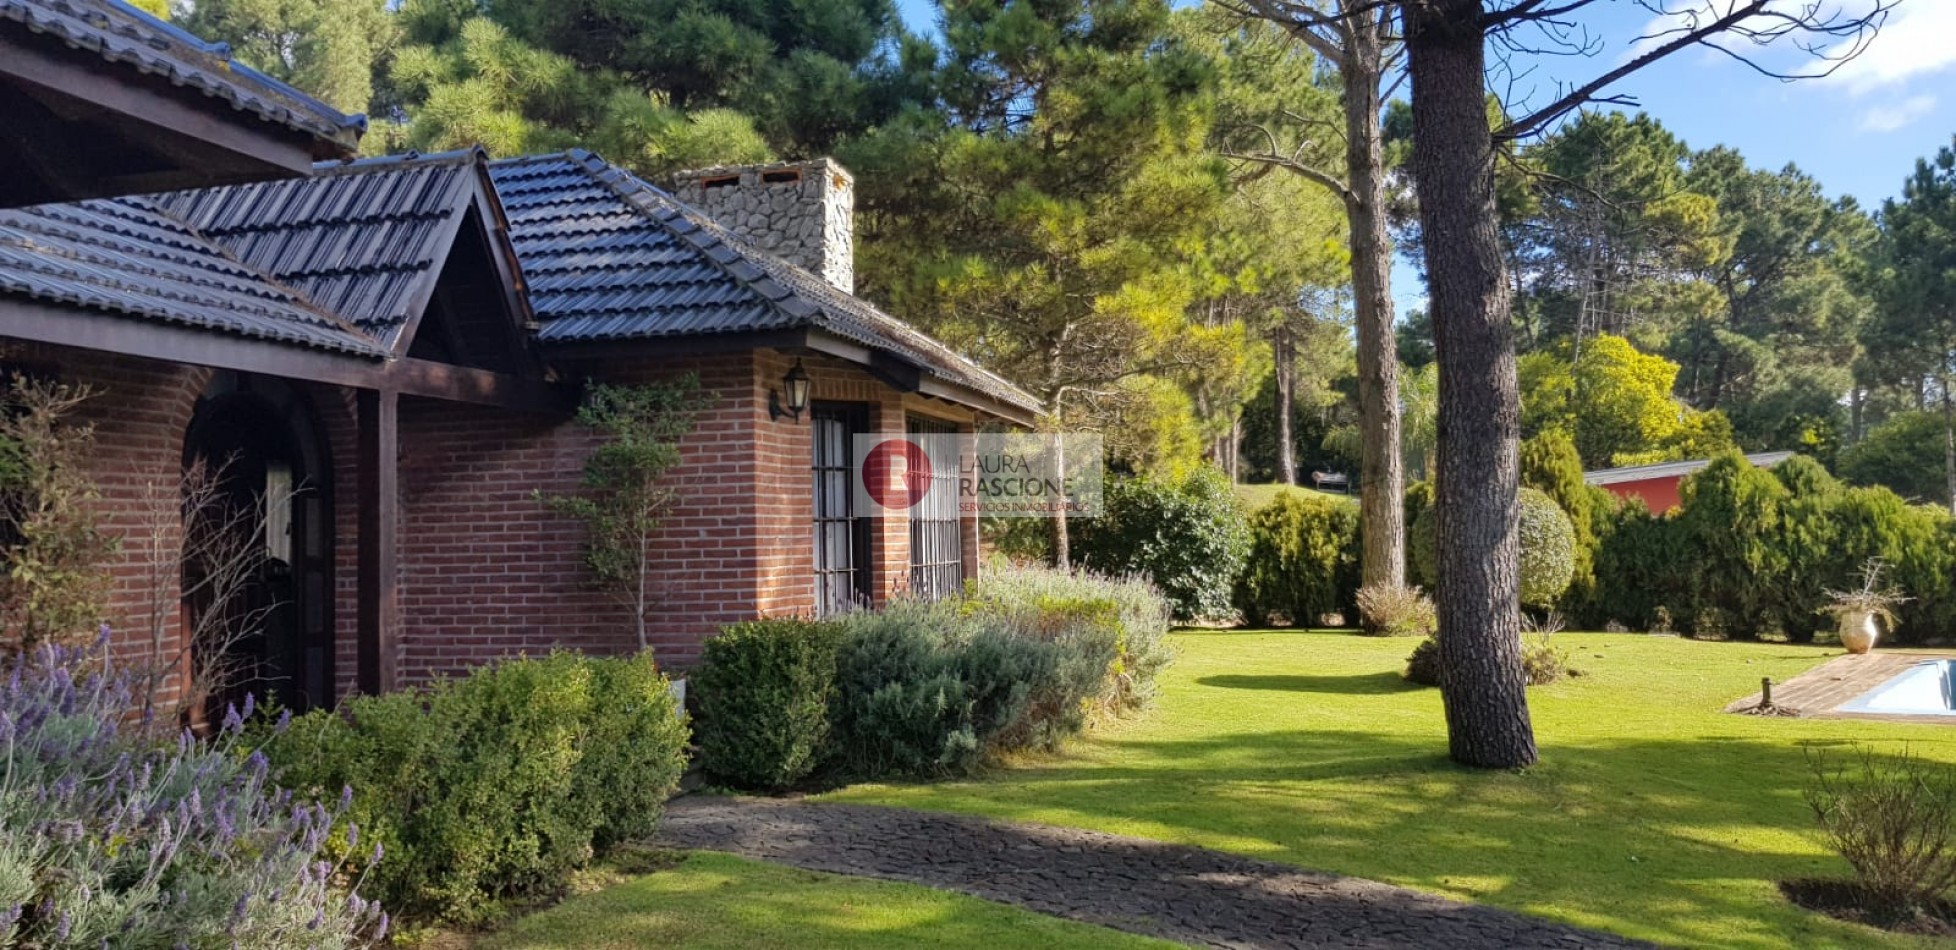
[1381, 482]
[1286, 359]
[1479, 424]
[1949, 443]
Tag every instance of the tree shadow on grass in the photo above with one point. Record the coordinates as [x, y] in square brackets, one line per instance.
[1678, 838]
[1365, 684]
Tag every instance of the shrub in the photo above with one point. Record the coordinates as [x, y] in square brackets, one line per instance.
[114, 836]
[498, 784]
[1542, 662]
[1894, 823]
[1423, 664]
[1189, 537]
[1026, 659]
[1395, 612]
[900, 707]
[1731, 521]
[764, 690]
[1303, 560]
[1642, 568]
[1548, 548]
[1141, 611]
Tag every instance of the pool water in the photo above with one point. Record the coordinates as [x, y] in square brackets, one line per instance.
[1922, 690]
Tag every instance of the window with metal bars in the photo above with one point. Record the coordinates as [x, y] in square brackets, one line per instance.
[936, 525]
[842, 574]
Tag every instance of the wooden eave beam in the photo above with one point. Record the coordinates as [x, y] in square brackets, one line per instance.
[275, 152]
[151, 339]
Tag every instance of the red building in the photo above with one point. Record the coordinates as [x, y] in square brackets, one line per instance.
[1657, 486]
[402, 340]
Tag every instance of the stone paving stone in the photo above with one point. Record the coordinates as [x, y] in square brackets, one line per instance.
[1191, 895]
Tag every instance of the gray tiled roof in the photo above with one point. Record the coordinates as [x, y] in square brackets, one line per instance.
[358, 239]
[120, 33]
[125, 256]
[609, 257]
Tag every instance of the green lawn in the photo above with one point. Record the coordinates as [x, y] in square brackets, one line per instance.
[720, 902]
[1652, 813]
[1256, 496]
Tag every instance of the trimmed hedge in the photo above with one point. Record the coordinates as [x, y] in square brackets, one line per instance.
[1751, 553]
[764, 689]
[496, 785]
[1304, 560]
[1187, 536]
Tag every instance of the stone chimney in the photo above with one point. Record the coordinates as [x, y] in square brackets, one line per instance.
[803, 212]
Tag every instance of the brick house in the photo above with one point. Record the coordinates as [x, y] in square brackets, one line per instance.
[402, 340]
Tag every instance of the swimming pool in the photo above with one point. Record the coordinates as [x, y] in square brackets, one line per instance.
[1921, 690]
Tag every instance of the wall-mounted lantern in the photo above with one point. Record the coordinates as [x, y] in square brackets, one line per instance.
[795, 384]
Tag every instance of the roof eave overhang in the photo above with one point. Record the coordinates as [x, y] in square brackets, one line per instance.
[205, 143]
[899, 374]
[148, 339]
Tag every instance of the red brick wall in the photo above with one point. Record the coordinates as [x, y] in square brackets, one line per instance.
[140, 411]
[486, 569]
[489, 570]
[787, 584]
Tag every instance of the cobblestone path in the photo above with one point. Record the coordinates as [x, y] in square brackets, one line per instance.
[1191, 895]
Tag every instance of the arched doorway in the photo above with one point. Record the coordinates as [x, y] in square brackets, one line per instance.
[259, 598]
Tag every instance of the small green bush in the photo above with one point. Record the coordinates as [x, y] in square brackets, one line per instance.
[1303, 560]
[763, 690]
[1423, 664]
[1895, 824]
[1548, 548]
[1143, 614]
[900, 705]
[496, 785]
[1541, 661]
[1189, 537]
[1385, 611]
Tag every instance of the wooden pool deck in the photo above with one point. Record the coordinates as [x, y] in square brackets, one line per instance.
[1820, 692]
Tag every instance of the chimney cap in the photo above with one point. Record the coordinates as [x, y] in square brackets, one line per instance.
[803, 169]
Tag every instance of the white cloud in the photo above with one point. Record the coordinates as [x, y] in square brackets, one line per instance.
[1889, 116]
[1916, 41]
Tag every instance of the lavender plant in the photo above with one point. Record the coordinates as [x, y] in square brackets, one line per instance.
[113, 834]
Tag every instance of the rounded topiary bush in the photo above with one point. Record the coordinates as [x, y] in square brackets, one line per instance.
[1548, 549]
[1188, 536]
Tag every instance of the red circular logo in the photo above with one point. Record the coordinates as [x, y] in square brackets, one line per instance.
[890, 485]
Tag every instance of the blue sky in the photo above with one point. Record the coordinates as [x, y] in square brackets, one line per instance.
[1858, 131]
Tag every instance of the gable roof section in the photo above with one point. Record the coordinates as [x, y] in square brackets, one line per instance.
[125, 257]
[128, 38]
[608, 257]
[365, 240]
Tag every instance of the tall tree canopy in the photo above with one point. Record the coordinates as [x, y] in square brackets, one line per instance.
[1915, 333]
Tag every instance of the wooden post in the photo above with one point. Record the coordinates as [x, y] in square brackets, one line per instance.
[1766, 691]
[379, 509]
